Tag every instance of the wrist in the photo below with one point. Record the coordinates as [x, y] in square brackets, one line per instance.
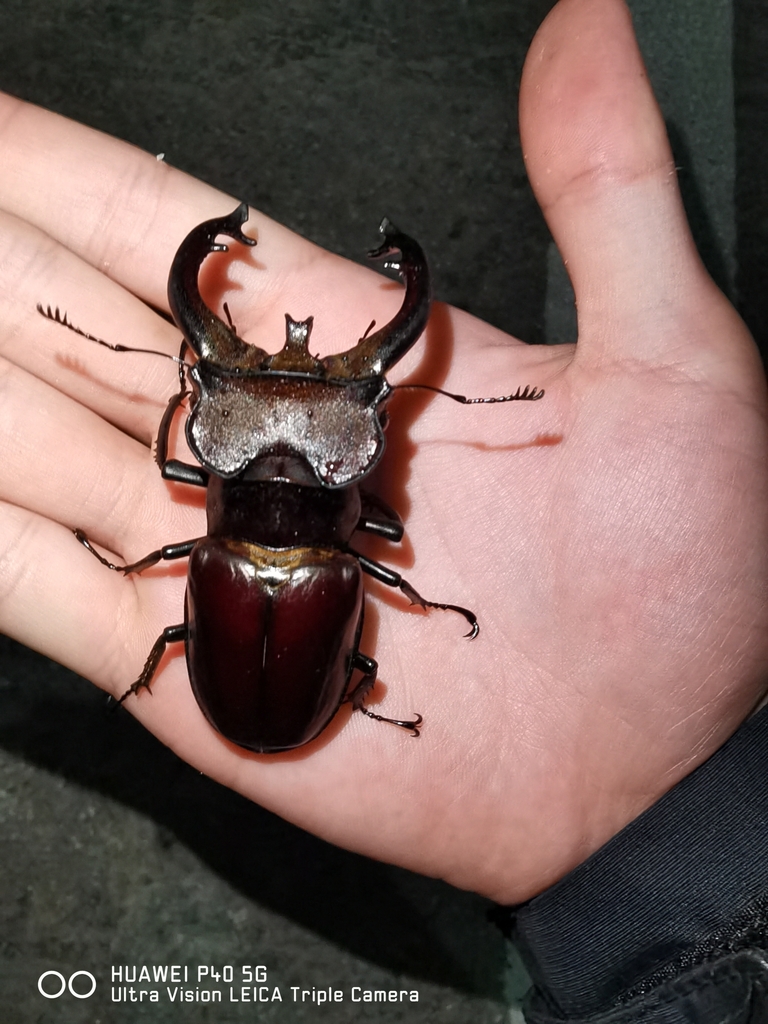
[681, 886]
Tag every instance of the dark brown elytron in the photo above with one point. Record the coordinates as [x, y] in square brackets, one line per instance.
[274, 604]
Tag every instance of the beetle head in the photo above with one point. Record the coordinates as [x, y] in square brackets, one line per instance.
[249, 406]
[216, 342]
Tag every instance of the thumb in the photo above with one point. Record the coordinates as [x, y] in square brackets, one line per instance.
[601, 167]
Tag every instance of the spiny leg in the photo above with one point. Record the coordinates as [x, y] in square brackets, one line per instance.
[356, 697]
[172, 469]
[164, 554]
[394, 579]
[174, 402]
[170, 635]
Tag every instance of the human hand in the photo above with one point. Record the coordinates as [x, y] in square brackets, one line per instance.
[611, 537]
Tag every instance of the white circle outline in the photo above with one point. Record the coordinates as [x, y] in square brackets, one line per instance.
[77, 995]
[46, 994]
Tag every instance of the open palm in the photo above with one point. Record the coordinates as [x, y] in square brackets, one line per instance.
[611, 538]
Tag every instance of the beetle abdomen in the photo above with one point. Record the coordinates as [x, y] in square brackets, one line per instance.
[272, 634]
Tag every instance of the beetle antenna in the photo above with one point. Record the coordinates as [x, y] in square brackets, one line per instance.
[526, 394]
[61, 318]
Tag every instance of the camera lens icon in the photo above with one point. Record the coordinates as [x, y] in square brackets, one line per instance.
[63, 984]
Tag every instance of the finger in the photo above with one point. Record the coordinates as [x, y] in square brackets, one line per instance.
[57, 599]
[600, 164]
[130, 390]
[116, 206]
[125, 213]
[64, 462]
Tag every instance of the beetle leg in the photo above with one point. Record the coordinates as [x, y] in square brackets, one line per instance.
[170, 635]
[184, 473]
[357, 696]
[394, 579]
[161, 445]
[379, 518]
[164, 554]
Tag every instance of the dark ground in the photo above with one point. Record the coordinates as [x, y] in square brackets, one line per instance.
[324, 116]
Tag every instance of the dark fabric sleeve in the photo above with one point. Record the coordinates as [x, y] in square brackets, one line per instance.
[668, 922]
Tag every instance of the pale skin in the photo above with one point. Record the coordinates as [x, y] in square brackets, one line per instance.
[612, 537]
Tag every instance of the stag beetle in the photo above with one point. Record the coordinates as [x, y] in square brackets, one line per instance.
[274, 602]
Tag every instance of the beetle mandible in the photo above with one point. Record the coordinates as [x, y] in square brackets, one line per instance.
[274, 601]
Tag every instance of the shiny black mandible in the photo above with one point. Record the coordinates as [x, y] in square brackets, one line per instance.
[274, 602]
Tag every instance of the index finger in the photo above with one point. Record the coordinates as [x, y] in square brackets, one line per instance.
[119, 208]
[125, 212]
